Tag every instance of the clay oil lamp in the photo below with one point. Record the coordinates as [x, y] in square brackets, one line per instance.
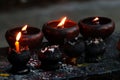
[19, 57]
[74, 49]
[31, 36]
[50, 57]
[57, 31]
[95, 48]
[96, 27]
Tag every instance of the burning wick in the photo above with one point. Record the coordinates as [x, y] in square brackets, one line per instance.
[17, 42]
[96, 20]
[61, 24]
[24, 29]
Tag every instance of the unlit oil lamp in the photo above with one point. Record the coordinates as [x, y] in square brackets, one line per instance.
[31, 36]
[57, 31]
[50, 56]
[95, 48]
[19, 57]
[96, 27]
[74, 49]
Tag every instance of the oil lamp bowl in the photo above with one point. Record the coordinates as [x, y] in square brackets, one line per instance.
[32, 38]
[74, 48]
[95, 48]
[19, 61]
[103, 29]
[49, 60]
[57, 35]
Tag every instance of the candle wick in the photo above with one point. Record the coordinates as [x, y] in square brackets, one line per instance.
[61, 27]
[24, 32]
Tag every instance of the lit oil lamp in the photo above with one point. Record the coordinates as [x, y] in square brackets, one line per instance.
[19, 57]
[57, 31]
[31, 36]
[49, 57]
[95, 48]
[96, 27]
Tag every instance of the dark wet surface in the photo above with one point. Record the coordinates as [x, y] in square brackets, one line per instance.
[107, 67]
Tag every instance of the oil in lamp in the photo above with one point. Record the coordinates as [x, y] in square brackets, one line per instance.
[57, 31]
[96, 27]
[19, 57]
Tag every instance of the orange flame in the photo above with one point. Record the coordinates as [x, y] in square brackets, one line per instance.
[18, 36]
[62, 22]
[95, 19]
[24, 28]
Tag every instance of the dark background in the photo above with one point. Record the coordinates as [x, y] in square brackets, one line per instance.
[14, 13]
[12, 4]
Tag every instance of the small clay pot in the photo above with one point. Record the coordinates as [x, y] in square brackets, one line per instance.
[103, 28]
[94, 49]
[32, 38]
[49, 57]
[19, 61]
[74, 48]
[57, 35]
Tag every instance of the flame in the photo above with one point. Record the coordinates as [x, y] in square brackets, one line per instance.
[18, 36]
[95, 19]
[24, 28]
[62, 21]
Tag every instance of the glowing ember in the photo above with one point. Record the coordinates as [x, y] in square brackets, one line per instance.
[24, 28]
[61, 24]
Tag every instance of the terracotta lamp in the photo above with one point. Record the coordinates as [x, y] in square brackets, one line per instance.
[50, 57]
[31, 36]
[75, 47]
[57, 31]
[95, 48]
[19, 57]
[96, 27]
